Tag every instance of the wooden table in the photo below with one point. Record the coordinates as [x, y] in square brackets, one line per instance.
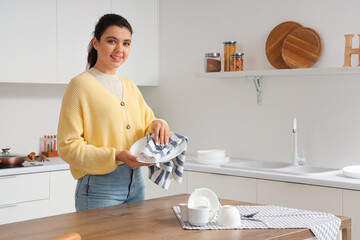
[150, 219]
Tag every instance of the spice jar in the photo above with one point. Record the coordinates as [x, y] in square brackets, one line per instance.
[229, 48]
[212, 62]
[237, 62]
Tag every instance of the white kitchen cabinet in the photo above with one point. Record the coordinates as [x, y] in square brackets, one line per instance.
[154, 191]
[76, 24]
[47, 40]
[314, 198]
[28, 41]
[142, 66]
[24, 197]
[35, 195]
[228, 187]
[351, 200]
[62, 192]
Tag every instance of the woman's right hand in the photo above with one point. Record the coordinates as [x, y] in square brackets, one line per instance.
[129, 159]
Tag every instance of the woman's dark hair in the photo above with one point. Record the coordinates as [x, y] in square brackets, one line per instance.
[105, 21]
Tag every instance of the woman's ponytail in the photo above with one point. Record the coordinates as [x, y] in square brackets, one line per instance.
[92, 55]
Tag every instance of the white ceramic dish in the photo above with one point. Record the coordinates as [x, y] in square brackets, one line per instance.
[138, 147]
[204, 197]
[212, 161]
[229, 216]
[352, 171]
[212, 153]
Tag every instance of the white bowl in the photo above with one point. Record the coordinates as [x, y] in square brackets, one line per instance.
[352, 171]
[212, 161]
[212, 153]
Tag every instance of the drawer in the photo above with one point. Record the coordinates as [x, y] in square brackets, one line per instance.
[245, 189]
[24, 188]
[24, 211]
[293, 195]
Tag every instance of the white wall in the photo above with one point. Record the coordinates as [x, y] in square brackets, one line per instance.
[27, 112]
[217, 113]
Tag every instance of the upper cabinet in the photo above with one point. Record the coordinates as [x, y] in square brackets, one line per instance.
[28, 41]
[47, 40]
[142, 66]
[76, 24]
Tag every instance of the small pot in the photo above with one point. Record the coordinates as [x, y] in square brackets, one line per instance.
[9, 159]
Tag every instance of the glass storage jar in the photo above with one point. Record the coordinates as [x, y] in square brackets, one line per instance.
[212, 62]
[229, 48]
[237, 62]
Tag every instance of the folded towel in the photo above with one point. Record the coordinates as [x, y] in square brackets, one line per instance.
[325, 226]
[162, 172]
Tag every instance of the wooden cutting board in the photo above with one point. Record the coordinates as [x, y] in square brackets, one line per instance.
[302, 48]
[275, 40]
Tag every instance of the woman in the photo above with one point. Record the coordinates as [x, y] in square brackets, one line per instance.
[102, 115]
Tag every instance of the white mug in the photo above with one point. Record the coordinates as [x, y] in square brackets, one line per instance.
[199, 216]
[184, 211]
[229, 216]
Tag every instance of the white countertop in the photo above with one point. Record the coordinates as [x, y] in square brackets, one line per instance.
[334, 179]
[55, 164]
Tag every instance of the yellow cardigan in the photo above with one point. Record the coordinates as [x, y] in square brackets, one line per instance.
[94, 124]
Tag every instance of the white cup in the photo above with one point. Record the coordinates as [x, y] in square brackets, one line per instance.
[184, 211]
[199, 216]
[229, 216]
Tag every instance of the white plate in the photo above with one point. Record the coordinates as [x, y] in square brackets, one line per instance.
[138, 147]
[213, 161]
[352, 171]
[204, 197]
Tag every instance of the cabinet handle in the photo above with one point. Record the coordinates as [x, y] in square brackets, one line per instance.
[8, 205]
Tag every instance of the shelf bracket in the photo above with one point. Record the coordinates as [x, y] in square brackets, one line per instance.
[257, 83]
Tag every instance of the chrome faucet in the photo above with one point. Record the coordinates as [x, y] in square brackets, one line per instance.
[297, 160]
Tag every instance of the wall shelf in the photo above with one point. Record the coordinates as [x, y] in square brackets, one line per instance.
[257, 75]
[282, 72]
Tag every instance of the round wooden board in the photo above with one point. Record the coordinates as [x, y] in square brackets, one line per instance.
[302, 48]
[275, 42]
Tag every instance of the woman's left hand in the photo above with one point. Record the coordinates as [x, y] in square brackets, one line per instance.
[160, 131]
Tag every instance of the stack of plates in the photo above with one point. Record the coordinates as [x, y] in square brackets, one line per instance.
[212, 156]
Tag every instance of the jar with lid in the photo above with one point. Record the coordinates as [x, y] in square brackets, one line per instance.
[212, 62]
[237, 62]
[229, 48]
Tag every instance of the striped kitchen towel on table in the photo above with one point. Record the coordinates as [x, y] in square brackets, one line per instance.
[162, 172]
[324, 226]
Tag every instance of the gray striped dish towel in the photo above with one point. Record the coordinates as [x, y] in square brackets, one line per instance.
[162, 172]
[324, 226]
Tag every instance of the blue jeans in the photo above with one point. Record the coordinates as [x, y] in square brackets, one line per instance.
[123, 185]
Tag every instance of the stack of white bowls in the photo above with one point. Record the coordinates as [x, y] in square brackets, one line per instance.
[211, 156]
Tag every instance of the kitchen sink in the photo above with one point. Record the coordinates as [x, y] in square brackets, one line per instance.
[257, 164]
[305, 169]
[280, 167]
